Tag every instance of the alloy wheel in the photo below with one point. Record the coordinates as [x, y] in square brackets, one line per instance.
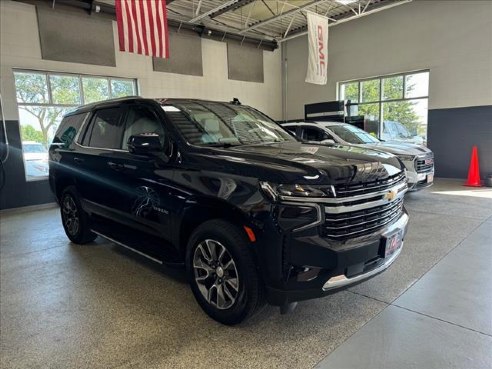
[70, 215]
[216, 274]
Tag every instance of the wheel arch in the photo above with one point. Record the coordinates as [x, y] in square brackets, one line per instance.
[61, 183]
[196, 213]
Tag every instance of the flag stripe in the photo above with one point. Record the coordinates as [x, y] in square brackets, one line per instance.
[120, 25]
[125, 28]
[146, 27]
[130, 26]
[156, 33]
[138, 28]
[142, 27]
[153, 29]
[165, 36]
[160, 27]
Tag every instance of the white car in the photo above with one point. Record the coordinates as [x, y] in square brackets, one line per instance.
[35, 159]
[418, 159]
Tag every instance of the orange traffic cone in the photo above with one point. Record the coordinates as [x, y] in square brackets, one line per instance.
[474, 171]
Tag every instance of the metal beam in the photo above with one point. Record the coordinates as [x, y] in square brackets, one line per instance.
[231, 8]
[198, 8]
[340, 21]
[211, 11]
[280, 16]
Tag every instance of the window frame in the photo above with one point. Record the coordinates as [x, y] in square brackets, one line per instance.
[48, 101]
[80, 76]
[381, 100]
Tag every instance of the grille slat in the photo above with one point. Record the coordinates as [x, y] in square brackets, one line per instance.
[424, 163]
[359, 189]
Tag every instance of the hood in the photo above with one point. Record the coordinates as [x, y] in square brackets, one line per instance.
[399, 148]
[297, 162]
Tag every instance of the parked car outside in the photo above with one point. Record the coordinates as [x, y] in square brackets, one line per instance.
[395, 131]
[253, 214]
[35, 159]
[418, 159]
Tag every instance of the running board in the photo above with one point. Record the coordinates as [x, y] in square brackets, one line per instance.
[128, 247]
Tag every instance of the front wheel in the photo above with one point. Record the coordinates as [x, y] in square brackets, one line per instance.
[222, 272]
[74, 219]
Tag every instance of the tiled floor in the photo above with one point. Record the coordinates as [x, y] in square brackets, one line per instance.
[98, 306]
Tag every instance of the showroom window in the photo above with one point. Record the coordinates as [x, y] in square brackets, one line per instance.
[395, 106]
[44, 98]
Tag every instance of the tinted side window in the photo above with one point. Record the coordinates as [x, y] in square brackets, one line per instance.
[291, 129]
[313, 134]
[141, 119]
[106, 131]
[68, 129]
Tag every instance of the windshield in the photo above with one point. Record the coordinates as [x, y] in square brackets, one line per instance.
[34, 148]
[353, 134]
[209, 124]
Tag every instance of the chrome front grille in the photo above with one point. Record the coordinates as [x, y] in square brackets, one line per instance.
[358, 223]
[356, 209]
[369, 187]
[360, 209]
[424, 163]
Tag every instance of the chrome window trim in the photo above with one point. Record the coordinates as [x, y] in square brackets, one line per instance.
[82, 127]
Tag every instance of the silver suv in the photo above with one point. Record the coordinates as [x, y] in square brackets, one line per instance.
[418, 159]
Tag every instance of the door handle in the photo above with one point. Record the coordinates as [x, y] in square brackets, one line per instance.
[78, 160]
[115, 166]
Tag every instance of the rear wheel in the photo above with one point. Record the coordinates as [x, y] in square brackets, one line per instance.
[74, 219]
[222, 272]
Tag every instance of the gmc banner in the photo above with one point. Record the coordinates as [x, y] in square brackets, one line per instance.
[318, 48]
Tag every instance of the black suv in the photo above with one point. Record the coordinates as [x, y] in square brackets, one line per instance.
[253, 214]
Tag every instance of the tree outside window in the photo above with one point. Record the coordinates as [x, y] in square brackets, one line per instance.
[44, 98]
[398, 103]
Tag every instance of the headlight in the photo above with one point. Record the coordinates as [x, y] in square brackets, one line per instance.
[406, 157]
[274, 191]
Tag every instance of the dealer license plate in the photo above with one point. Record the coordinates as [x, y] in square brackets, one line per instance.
[393, 243]
[430, 178]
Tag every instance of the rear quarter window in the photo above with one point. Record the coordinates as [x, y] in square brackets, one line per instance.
[69, 127]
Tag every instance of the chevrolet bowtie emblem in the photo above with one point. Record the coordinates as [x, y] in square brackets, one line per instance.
[390, 195]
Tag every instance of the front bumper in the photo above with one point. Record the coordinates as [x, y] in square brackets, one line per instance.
[318, 267]
[419, 181]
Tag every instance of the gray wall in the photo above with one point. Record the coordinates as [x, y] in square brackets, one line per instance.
[452, 134]
[17, 192]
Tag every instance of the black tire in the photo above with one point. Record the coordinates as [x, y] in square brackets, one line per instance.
[74, 219]
[249, 297]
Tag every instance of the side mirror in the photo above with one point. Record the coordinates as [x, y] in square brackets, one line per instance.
[144, 144]
[328, 141]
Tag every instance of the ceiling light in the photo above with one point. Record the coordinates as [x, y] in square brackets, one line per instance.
[346, 2]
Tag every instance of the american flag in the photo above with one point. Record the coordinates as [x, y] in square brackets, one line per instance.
[142, 27]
